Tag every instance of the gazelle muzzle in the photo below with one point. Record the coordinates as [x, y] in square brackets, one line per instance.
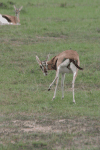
[44, 67]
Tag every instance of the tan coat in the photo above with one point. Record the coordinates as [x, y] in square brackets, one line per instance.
[11, 19]
[57, 60]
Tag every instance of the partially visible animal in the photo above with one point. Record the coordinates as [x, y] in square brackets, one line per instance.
[65, 62]
[11, 20]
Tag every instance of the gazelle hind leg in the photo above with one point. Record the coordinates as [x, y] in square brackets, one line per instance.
[73, 82]
[74, 70]
[62, 84]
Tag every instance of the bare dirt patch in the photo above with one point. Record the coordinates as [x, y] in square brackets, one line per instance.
[80, 132]
[32, 126]
[61, 125]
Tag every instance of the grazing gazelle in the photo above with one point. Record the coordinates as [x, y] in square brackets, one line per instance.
[11, 20]
[65, 62]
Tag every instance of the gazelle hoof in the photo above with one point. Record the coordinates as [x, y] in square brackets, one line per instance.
[49, 89]
[53, 98]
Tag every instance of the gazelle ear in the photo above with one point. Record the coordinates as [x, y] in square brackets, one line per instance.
[47, 57]
[15, 7]
[20, 8]
[38, 60]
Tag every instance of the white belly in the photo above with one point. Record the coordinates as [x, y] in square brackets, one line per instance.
[3, 20]
[64, 70]
[63, 67]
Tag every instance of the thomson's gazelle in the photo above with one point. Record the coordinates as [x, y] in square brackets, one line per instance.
[11, 20]
[65, 62]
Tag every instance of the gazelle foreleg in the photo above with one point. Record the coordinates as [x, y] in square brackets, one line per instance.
[62, 84]
[65, 63]
[53, 81]
[57, 79]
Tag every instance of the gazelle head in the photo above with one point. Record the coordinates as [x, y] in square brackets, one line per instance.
[43, 65]
[17, 10]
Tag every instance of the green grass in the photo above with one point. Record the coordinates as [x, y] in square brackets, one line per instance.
[49, 27]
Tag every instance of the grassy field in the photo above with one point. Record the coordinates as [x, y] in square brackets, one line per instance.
[29, 119]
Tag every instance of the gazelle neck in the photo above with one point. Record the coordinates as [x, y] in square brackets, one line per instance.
[17, 18]
[51, 66]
